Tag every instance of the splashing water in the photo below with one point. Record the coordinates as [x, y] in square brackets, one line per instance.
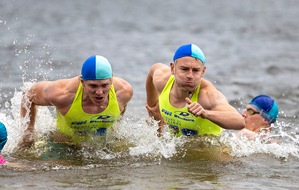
[286, 143]
[14, 122]
[144, 138]
[135, 138]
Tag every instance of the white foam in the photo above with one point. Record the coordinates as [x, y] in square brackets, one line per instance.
[136, 136]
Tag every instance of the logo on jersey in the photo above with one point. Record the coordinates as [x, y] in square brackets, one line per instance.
[166, 112]
[186, 116]
[94, 122]
[102, 119]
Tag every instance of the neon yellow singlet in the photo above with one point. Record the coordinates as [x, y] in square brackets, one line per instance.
[79, 125]
[179, 120]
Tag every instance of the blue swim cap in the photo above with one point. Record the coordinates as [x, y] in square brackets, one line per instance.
[96, 68]
[3, 136]
[189, 50]
[267, 106]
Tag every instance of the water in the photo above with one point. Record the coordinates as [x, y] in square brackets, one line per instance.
[251, 48]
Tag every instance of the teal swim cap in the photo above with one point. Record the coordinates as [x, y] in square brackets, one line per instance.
[96, 68]
[189, 50]
[3, 135]
[267, 106]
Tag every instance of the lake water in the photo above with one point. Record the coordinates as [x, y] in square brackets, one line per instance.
[251, 48]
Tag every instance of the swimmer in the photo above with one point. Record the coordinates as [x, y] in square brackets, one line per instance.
[86, 105]
[260, 113]
[169, 89]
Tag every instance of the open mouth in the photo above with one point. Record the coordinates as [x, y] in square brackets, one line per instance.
[99, 99]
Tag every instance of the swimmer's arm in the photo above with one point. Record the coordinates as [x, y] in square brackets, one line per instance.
[215, 107]
[58, 93]
[223, 114]
[152, 93]
[156, 80]
[35, 95]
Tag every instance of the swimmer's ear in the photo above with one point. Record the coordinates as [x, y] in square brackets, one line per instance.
[172, 69]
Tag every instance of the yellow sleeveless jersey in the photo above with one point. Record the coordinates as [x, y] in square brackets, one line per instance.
[179, 120]
[80, 125]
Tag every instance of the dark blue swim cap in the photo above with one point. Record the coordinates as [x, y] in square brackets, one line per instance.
[190, 50]
[267, 106]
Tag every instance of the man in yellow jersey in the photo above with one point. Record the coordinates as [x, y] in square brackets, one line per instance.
[260, 113]
[179, 97]
[86, 105]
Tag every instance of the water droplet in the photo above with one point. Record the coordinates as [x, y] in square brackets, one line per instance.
[7, 104]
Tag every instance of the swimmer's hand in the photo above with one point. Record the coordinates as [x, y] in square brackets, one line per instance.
[27, 140]
[250, 135]
[195, 108]
[155, 113]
